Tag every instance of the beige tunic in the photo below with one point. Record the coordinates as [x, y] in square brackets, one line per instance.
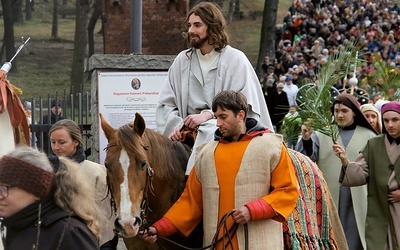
[252, 182]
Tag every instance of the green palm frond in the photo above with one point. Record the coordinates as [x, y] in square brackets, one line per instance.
[388, 79]
[315, 99]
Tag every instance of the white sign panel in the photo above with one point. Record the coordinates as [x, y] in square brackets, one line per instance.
[122, 94]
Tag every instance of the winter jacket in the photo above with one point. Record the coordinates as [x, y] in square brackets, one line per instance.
[57, 230]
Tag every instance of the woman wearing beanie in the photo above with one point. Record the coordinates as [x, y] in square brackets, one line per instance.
[66, 140]
[378, 166]
[39, 210]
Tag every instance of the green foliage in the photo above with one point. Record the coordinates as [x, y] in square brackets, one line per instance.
[315, 99]
[387, 78]
[291, 127]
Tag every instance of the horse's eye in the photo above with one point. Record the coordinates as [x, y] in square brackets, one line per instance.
[143, 165]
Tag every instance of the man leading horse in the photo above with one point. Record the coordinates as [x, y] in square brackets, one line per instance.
[246, 171]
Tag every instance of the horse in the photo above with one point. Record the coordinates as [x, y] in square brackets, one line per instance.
[146, 175]
[13, 122]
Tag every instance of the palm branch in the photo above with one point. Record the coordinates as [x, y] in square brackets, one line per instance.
[315, 98]
[387, 78]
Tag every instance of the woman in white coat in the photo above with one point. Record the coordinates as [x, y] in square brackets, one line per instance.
[66, 140]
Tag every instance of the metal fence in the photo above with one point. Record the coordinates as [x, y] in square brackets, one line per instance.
[74, 107]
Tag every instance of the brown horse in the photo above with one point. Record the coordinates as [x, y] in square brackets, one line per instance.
[146, 175]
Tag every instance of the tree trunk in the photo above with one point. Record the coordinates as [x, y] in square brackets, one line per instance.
[92, 24]
[28, 10]
[54, 26]
[232, 4]
[237, 7]
[16, 10]
[80, 43]
[8, 32]
[267, 41]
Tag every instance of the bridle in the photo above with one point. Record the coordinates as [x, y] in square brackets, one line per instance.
[144, 205]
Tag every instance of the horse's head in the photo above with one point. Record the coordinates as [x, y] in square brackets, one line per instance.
[128, 173]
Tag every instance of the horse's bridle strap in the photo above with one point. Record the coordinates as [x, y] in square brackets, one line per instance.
[144, 206]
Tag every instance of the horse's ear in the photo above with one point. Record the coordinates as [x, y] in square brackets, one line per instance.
[139, 124]
[107, 129]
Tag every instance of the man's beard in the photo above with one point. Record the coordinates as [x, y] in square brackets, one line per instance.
[198, 43]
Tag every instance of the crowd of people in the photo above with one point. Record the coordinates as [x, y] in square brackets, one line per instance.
[314, 31]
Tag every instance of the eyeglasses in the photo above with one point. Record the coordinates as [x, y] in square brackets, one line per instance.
[4, 191]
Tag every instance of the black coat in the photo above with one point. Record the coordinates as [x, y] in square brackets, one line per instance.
[58, 230]
[278, 106]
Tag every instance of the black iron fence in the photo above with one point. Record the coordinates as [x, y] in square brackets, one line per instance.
[74, 107]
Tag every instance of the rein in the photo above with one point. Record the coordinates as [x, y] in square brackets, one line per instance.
[226, 238]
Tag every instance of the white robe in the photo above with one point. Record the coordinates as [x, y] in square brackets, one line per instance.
[232, 71]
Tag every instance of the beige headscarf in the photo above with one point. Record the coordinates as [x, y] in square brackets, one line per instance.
[371, 107]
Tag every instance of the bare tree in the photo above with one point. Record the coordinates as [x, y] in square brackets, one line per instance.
[28, 9]
[267, 41]
[54, 26]
[8, 41]
[16, 9]
[92, 24]
[80, 43]
[237, 7]
[231, 10]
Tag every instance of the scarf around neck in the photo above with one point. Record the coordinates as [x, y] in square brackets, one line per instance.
[28, 216]
[79, 155]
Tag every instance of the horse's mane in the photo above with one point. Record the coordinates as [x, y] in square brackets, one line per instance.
[167, 158]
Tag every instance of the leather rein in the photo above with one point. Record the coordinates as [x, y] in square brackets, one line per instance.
[226, 238]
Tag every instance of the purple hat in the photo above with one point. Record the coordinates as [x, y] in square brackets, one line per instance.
[391, 106]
